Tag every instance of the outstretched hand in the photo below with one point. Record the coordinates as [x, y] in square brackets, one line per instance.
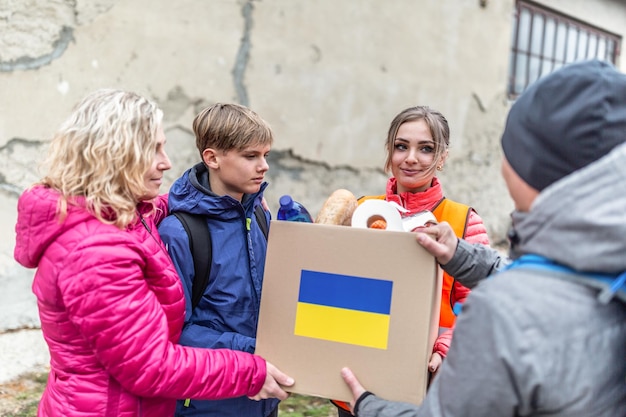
[439, 240]
[274, 381]
[354, 385]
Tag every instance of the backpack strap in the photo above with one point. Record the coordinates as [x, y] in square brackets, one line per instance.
[609, 285]
[262, 220]
[202, 254]
[202, 250]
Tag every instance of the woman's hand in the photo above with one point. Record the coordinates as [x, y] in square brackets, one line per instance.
[434, 363]
[274, 381]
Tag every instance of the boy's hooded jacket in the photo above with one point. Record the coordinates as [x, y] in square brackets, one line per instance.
[111, 308]
[227, 315]
[537, 342]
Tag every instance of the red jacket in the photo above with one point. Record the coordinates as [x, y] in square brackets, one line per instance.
[475, 232]
[111, 309]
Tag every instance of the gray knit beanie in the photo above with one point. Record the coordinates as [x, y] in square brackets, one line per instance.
[565, 121]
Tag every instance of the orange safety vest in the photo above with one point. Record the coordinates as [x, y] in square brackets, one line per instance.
[456, 214]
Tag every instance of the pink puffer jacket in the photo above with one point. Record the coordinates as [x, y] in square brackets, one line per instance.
[111, 309]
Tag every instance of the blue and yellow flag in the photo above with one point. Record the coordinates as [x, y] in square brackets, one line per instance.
[343, 308]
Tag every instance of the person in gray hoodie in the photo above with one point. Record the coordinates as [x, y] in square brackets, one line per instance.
[546, 334]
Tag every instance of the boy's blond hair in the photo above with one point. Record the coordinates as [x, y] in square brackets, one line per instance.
[230, 126]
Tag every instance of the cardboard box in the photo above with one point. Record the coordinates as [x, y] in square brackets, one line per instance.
[310, 267]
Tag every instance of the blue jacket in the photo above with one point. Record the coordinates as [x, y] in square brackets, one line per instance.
[227, 315]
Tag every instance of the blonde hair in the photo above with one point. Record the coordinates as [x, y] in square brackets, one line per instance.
[230, 126]
[102, 152]
[436, 122]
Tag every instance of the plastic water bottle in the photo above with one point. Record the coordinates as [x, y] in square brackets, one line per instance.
[292, 211]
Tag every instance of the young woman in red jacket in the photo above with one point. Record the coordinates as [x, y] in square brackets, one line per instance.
[417, 147]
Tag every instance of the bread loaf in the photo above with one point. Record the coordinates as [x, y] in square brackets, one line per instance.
[338, 208]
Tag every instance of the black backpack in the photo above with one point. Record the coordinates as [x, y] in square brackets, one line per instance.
[196, 227]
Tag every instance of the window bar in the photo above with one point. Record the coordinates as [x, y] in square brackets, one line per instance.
[566, 44]
[513, 64]
[530, 38]
[553, 57]
[542, 47]
[577, 48]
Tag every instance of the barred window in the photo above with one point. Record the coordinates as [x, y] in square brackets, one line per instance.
[545, 40]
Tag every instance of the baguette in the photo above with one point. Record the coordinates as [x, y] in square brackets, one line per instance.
[338, 208]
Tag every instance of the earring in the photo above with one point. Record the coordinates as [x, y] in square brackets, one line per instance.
[440, 168]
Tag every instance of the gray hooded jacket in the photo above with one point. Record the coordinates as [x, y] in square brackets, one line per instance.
[534, 342]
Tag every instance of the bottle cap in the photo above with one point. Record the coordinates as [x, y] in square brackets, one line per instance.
[285, 201]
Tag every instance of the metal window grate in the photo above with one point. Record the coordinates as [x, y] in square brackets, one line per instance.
[544, 40]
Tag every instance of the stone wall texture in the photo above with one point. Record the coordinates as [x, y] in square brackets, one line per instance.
[327, 75]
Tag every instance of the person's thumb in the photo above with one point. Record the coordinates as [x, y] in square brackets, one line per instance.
[353, 383]
[348, 377]
[429, 243]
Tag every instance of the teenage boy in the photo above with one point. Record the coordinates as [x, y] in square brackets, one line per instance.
[224, 190]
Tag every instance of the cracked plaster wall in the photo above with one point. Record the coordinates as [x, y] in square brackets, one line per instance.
[328, 76]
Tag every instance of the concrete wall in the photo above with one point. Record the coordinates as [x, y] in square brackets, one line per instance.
[328, 76]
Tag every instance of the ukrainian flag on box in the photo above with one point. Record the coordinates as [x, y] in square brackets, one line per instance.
[344, 308]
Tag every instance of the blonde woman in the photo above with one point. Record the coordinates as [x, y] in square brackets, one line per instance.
[110, 302]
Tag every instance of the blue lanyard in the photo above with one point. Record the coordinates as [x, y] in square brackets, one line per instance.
[614, 283]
